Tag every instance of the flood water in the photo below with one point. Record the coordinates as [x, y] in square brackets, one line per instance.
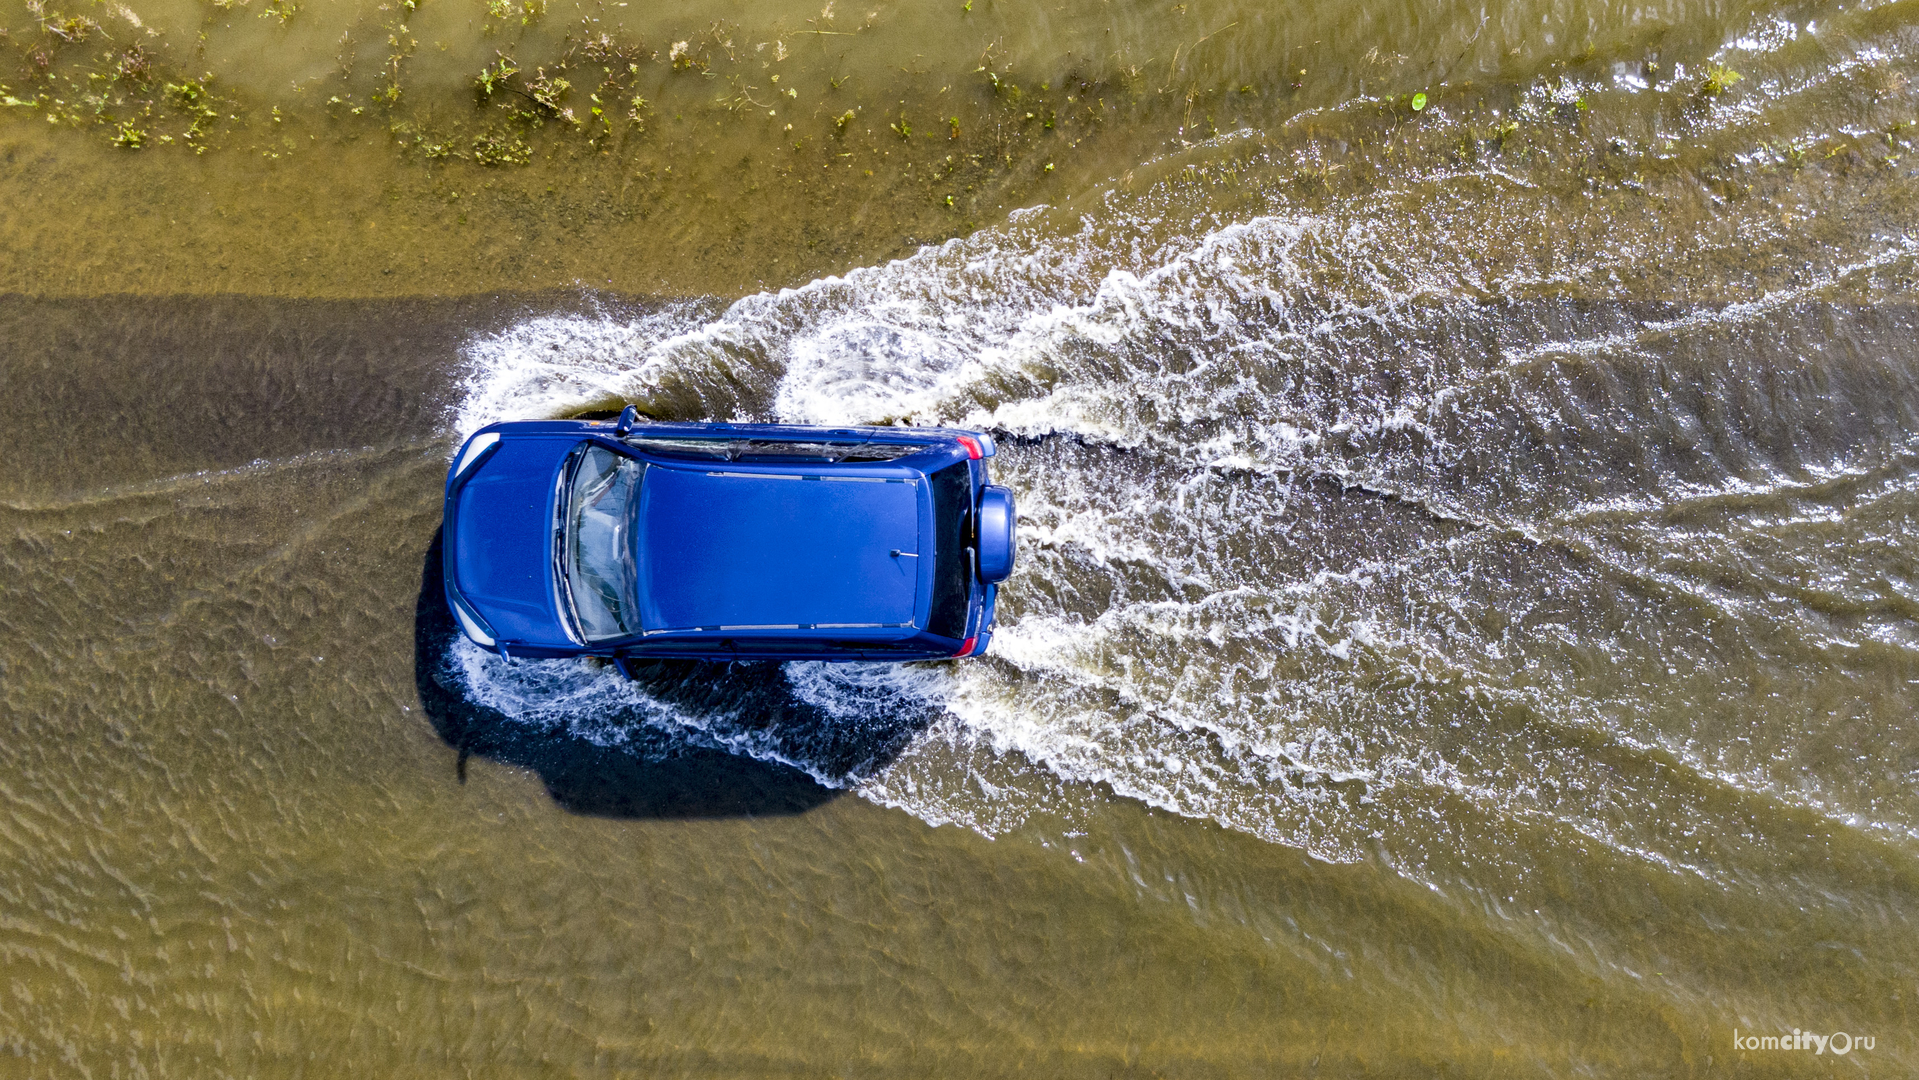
[1466, 619]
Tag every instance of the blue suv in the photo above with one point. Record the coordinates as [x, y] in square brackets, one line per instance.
[626, 539]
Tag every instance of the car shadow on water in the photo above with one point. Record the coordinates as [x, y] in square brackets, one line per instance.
[653, 772]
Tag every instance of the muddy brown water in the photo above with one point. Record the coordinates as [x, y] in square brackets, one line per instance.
[1467, 612]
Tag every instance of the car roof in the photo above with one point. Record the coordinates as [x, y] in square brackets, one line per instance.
[818, 562]
[720, 546]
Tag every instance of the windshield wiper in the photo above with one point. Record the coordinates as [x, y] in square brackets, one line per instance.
[562, 525]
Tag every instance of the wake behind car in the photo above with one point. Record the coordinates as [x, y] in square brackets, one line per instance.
[626, 539]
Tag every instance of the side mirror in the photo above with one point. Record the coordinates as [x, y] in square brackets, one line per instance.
[628, 417]
[995, 534]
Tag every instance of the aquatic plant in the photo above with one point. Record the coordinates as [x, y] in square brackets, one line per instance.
[138, 97]
[494, 77]
[71, 28]
[192, 98]
[1718, 79]
[548, 90]
[133, 65]
[496, 148]
[499, 11]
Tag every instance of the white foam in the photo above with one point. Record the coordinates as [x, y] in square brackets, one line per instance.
[550, 366]
[1182, 630]
[583, 698]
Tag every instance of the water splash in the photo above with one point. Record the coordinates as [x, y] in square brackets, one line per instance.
[1359, 528]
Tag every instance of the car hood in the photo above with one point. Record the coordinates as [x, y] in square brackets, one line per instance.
[740, 549]
[500, 539]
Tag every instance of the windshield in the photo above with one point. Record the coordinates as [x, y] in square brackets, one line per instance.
[596, 549]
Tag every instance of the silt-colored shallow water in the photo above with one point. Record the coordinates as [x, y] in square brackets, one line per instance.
[1465, 621]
